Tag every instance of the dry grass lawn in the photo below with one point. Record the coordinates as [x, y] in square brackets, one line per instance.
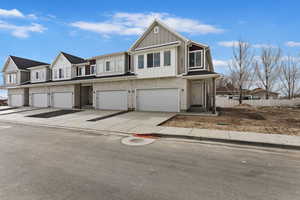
[278, 120]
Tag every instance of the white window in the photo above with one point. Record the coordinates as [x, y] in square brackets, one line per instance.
[153, 60]
[141, 61]
[55, 73]
[11, 78]
[60, 73]
[167, 58]
[107, 66]
[156, 29]
[150, 60]
[156, 59]
[195, 59]
[37, 75]
[93, 69]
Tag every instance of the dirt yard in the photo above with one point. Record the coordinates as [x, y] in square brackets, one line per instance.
[262, 120]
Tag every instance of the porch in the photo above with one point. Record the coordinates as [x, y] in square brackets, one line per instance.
[201, 94]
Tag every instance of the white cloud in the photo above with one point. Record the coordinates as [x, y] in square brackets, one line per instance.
[228, 43]
[22, 31]
[11, 13]
[135, 23]
[221, 63]
[234, 43]
[292, 44]
[15, 13]
[258, 46]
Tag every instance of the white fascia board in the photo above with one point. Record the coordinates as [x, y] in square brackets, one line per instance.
[38, 67]
[198, 43]
[160, 46]
[79, 64]
[199, 77]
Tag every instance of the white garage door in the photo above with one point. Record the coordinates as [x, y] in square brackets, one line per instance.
[165, 100]
[63, 100]
[40, 100]
[16, 100]
[112, 100]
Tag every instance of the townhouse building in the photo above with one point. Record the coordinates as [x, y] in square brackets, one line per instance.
[162, 71]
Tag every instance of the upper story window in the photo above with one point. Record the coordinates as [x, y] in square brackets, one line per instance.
[156, 59]
[107, 66]
[87, 70]
[150, 60]
[11, 78]
[37, 75]
[156, 29]
[167, 58]
[55, 73]
[141, 61]
[60, 73]
[153, 60]
[195, 59]
[93, 69]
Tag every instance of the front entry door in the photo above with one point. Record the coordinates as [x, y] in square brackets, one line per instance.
[197, 93]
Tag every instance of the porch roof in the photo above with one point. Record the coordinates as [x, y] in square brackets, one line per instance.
[201, 74]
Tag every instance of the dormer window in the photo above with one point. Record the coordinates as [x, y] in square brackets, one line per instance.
[156, 29]
[37, 75]
[196, 59]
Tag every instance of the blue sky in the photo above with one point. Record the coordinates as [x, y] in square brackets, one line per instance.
[39, 30]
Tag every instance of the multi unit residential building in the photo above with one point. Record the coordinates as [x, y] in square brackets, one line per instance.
[161, 71]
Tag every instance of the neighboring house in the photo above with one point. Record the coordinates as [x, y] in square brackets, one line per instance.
[16, 72]
[259, 93]
[162, 71]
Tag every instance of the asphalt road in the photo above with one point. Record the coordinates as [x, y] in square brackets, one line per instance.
[47, 163]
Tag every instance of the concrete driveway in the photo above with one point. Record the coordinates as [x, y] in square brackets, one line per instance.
[131, 122]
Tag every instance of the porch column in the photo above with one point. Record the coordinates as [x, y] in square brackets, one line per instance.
[214, 95]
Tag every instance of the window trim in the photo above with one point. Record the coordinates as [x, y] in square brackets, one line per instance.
[158, 60]
[60, 72]
[150, 59]
[196, 67]
[138, 64]
[170, 63]
[153, 63]
[36, 75]
[94, 69]
[107, 61]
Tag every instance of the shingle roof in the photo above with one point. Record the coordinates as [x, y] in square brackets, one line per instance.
[73, 59]
[24, 63]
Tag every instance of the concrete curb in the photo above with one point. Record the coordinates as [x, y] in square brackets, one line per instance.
[230, 141]
[162, 135]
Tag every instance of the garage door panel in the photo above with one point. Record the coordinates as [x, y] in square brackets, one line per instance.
[165, 100]
[63, 100]
[112, 100]
[40, 100]
[16, 100]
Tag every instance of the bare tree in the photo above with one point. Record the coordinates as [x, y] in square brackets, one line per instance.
[241, 70]
[267, 68]
[290, 76]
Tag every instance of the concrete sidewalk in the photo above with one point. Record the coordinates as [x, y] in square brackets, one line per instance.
[147, 123]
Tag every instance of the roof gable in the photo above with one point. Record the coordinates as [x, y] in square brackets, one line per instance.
[8, 63]
[24, 63]
[169, 35]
